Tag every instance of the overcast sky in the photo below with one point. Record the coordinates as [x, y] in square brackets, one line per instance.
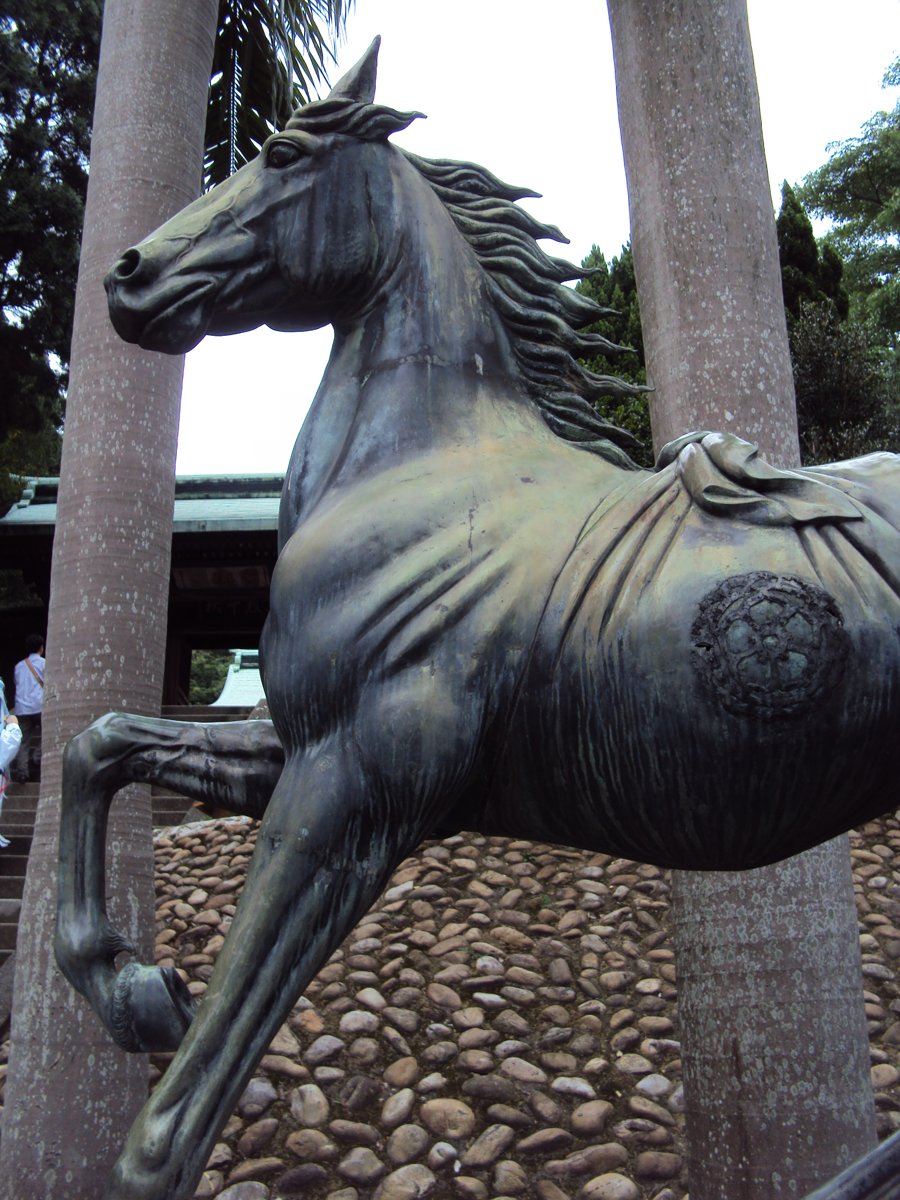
[527, 90]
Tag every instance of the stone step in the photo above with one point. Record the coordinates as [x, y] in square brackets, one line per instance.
[20, 808]
[8, 931]
[20, 815]
[165, 820]
[13, 863]
[19, 842]
[17, 797]
[20, 805]
[169, 808]
[15, 825]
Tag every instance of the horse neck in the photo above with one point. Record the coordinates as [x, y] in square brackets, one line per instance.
[427, 365]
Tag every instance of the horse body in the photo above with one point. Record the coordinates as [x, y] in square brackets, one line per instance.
[591, 710]
[694, 700]
[476, 621]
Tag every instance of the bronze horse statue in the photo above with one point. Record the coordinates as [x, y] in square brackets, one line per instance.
[484, 616]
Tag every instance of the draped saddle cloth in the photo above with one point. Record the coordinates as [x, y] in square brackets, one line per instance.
[724, 628]
[846, 517]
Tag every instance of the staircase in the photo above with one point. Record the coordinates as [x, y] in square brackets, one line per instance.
[17, 823]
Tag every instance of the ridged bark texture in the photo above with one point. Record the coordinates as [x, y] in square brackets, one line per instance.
[773, 1030]
[71, 1095]
[774, 1039]
[707, 265]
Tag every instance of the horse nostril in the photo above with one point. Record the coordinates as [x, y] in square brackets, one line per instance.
[128, 265]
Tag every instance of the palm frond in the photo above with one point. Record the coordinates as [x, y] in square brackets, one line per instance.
[270, 56]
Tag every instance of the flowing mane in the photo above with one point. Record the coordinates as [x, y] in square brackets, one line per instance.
[541, 316]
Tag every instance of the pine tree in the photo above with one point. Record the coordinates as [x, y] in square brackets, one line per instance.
[808, 274]
[612, 285]
[48, 67]
[841, 378]
[845, 406]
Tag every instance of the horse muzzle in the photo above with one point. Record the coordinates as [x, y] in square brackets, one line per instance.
[170, 317]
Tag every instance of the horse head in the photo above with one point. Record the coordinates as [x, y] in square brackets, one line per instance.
[288, 240]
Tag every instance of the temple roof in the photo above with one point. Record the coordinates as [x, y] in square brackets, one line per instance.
[213, 503]
[243, 685]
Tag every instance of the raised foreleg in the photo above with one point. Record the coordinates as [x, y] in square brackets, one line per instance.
[325, 850]
[235, 765]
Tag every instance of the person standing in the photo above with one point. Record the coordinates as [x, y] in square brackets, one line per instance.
[29, 679]
[10, 740]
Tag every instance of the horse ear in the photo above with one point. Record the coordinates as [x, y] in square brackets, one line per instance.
[359, 82]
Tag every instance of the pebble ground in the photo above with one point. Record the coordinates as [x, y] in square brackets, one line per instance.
[502, 1024]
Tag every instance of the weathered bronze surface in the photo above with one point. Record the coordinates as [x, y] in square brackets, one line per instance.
[875, 1176]
[483, 616]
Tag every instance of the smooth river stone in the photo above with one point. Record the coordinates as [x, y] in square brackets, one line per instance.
[309, 1105]
[397, 1108]
[406, 1183]
[448, 1117]
[609, 1186]
[487, 1148]
[406, 1143]
[361, 1166]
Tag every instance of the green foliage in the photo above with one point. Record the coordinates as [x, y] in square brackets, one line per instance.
[269, 56]
[209, 669]
[612, 285]
[846, 380]
[809, 274]
[844, 369]
[48, 56]
[26, 453]
[846, 397]
[841, 297]
[859, 190]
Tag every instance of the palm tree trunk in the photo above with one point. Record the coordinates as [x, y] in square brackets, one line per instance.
[71, 1096]
[770, 988]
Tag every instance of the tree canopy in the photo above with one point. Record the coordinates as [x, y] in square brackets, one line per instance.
[844, 376]
[269, 57]
[842, 368]
[810, 273]
[845, 407]
[48, 66]
[613, 286]
[209, 670]
[841, 297]
[858, 189]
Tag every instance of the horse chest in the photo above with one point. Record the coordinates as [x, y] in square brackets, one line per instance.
[394, 580]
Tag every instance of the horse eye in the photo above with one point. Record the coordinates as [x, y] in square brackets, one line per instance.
[282, 154]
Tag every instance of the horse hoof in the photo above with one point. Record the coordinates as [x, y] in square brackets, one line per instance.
[150, 1009]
